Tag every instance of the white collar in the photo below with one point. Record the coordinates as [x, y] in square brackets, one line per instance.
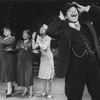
[73, 24]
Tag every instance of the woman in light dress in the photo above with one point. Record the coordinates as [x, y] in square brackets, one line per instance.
[46, 69]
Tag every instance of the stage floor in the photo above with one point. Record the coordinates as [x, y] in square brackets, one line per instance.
[58, 89]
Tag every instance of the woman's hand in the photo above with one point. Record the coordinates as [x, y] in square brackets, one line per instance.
[33, 35]
[22, 46]
[35, 51]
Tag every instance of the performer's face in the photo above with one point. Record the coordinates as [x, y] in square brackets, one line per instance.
[6, 32]
[25, 35]
[72, 15]
[42, 30]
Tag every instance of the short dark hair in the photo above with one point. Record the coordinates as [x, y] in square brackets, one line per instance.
[8, 27]
[28, 32]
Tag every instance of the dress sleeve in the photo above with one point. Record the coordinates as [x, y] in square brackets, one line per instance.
[18, 46]
[45, 45]
[94, 13]
[8, 41]
[53, 29]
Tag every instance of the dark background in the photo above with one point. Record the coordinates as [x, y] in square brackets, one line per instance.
[30, 14]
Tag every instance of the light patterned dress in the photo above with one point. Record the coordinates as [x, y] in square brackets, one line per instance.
[46, 69]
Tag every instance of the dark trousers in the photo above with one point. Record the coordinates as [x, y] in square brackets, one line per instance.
[84, 70]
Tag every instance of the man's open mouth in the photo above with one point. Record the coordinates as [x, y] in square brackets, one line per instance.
[73, 15]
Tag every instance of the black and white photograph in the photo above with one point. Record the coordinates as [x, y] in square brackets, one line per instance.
[49, 50]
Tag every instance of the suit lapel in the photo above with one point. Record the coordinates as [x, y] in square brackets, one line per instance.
[67, 32]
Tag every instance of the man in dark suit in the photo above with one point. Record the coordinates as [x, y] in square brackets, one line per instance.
[78, 51]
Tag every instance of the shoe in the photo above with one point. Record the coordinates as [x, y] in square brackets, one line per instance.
[25, 93]
[31, 95]
[49, 96]
[8, 95]
[44, 94]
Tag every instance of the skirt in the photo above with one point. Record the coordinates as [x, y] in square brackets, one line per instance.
[7, 66]
[46, 69]
[24, 69]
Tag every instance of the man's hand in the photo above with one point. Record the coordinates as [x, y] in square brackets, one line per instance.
[82, 8]
[61, 16]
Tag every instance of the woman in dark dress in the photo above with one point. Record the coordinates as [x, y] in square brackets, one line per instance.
[8, 60]
[25, 63]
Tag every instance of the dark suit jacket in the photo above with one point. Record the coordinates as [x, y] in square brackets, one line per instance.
[61, 31]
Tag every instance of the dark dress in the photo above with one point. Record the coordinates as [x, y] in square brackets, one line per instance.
[24, 64]
[7, 60]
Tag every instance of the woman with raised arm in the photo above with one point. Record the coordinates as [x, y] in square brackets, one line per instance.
[46, 70]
